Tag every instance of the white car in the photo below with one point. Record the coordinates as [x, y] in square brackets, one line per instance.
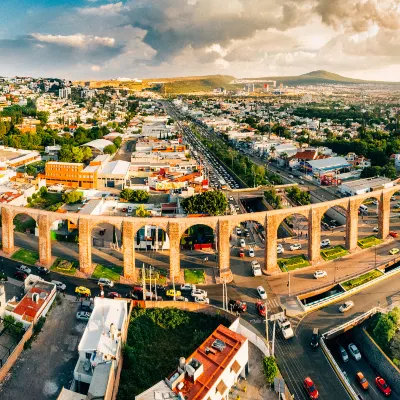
[251, 252]
[346, 306]
[256, 268]
[60, 286]
[199, 293]
[83, 315]
[231, 198]
[262, 293]
[354, 351]
[296, 246]
[325, 243]
[376, 229]
[238, 230]
[187, 287]
[202, 300]
[320, 274]
[25, 269]
[105, 282]
[375, 202]
[280, 249]
[291, 176]
[242, 243]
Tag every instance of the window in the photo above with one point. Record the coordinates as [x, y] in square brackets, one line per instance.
[88, 355]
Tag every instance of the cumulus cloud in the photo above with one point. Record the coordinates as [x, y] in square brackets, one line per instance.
[77, 40]
[104, 10]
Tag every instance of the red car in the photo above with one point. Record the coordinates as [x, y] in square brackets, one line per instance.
[20, 275]
[241, 253]
[311, 389]
[383, 386]
[260, 305]
[393, 234]
[113, 295]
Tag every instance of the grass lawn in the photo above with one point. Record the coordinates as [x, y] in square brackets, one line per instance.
[195, 276]
[158, 273]
[292, 263]
[369, 241]
[64, 267]
[333, 253]
[157, 337]
[369, 276]
[26, 256]
[112, 272]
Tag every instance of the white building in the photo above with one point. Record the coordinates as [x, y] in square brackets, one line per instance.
[64, 93]
[366, 185]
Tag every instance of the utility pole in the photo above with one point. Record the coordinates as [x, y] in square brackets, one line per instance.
[223, 296]
[266, 322]
[273, 339]
[173, 286]
[144, 281]
[226, 294]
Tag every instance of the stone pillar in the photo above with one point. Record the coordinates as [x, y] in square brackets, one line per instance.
[85, 246]
[223, 231]
[271, 236]
[352, 225]
[44, 240]
[384, 216]
[7, 223]
[174, 233]
[314, 236]
[128, 244]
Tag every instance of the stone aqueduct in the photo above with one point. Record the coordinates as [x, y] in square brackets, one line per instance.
[175, 227]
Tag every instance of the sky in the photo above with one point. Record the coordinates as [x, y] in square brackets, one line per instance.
[107, 39]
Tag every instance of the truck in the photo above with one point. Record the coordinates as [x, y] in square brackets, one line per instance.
[286, 328]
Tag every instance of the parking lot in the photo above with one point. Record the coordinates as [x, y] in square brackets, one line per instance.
[43, 370]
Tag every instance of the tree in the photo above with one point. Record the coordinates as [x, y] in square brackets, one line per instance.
[30, 170]
[270, 369]
[211, 202]
[385, 329]
[118, 142]
[141, 212]
[272, 198]
[134, 196]
[72, 197]
[43, 191]
[110, 149]
[298, 196]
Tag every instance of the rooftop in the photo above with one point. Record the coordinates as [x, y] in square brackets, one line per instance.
[98, 144]
[376, 182]
[116, 168]
[331, 162]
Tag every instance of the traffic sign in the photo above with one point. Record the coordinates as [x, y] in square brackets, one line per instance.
[279, 385]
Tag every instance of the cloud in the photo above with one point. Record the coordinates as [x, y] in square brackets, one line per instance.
[77, 40]
[95, 68]
[104, 10]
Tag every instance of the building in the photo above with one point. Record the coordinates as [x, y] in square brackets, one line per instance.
[209, 373]
[100, 351]
[113, 174]
[331, 165]
[367, 185]
[64, 93]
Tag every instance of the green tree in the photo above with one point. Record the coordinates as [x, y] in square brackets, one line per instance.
[270, 369]
[30, 170]
[118, 142]
[72, 197]
[126, 194]
[110, 149]
[211, 202]
[272, 198]
[134, 196]
[141, 212]
[43, 191]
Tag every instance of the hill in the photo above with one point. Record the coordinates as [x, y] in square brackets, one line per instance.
[319, 77]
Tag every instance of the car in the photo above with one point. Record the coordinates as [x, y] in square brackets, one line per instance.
[393, 234]
[394, 251]
[43, 270]
[355, 353]
[315, 338]
[130, 209]
[362, 380]
[231, 198]
[346, 306]
[302, 183]
[246, 233]
[242, 243]
[238, 230]
[61, 287]
[198, 293]
[262, 293]
[290, 176]
[296, 246]
[102, 231]
[87, 305]
[393, 198]
[256, 268]
[286, 327]
[20, 275]
[383, 386]
[187, 287]
[114, 295]
[173, 293]
[280, 249]
[251, 252]
[105, 282]
[237, 306]
[260, 306]
[376, 229]
[83, 315]
[375, 202]
[83, 291]
[202, 300]
[241, 253]
[397, 206]
[325, 243]
[320, 274]
[181, 298]
[25, 269]
[310, 388]
[343, 354]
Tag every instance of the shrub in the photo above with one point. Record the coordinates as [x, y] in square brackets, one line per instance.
[270, 369]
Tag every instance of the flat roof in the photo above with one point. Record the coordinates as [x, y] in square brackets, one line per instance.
[367, 182]
[329, 163]
[91, 168]
[116, 168]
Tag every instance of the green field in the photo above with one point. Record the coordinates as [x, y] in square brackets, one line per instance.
[292, 263]
[360, 280]
[369, 241]
[333, 252]
[112, 272]
[26, 256]
[157, 274]
[157, 337]
[195, 276]
[64, 267]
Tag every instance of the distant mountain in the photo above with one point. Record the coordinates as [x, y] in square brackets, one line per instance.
[318, 77]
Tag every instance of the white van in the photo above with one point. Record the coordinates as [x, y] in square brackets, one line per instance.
[130, 209]
[363, 208]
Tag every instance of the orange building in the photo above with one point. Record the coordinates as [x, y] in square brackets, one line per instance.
[73, 175]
